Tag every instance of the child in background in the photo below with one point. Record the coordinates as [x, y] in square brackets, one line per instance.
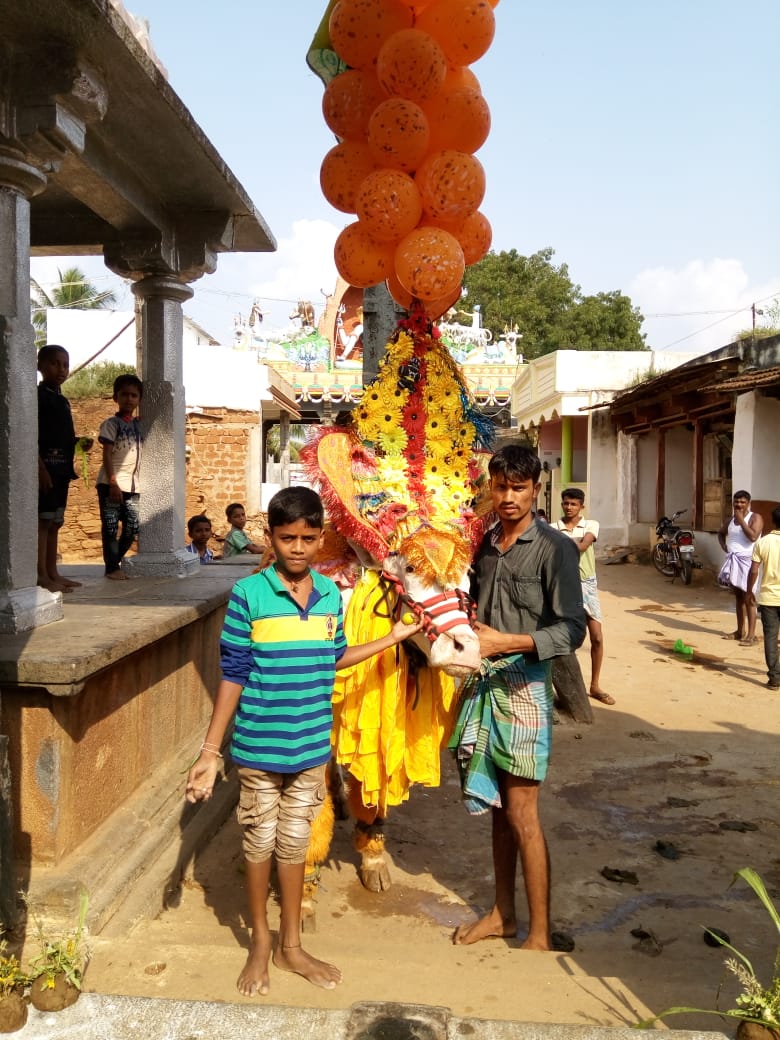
[56, 449]
[282, 643]
[584, 534]
[118, 482]
[199, 530]
[237, 541]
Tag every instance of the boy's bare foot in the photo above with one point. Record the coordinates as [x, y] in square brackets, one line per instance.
[54, 586]
[491, 926]
[117, 576]
[253, 980]
[319, 973]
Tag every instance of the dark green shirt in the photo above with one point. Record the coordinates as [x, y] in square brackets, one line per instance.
[533, 588]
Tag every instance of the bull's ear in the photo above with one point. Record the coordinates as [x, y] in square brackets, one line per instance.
[328, 461]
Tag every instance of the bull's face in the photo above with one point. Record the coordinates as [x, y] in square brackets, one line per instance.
[430, 571]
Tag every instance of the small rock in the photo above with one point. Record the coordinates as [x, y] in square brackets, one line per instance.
[621, 876]
[737, 825]
[713, 935]
[667, 849]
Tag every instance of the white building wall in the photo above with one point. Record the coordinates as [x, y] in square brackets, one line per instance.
[755, 463]
[602, 480]
[743, 452]
[766, 464]
[678, 483]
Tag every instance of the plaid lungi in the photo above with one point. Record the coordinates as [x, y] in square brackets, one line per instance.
[504, 722]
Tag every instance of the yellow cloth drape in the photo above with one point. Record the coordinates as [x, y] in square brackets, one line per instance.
[389, 725]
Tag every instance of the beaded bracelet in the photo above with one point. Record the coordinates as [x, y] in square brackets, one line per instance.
[213, 749]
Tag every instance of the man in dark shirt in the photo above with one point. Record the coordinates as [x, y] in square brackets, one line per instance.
[529, 610]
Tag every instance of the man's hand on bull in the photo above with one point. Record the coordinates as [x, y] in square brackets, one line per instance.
[493, 642]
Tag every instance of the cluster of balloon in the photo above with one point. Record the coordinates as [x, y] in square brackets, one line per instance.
[409, 114]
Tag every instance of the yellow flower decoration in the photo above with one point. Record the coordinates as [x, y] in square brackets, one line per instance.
[392, 442]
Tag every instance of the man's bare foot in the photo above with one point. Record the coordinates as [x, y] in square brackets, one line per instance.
[491, 926]
[319, 973]
[69, 582]
[253, 980]
[536, 944]
[117, 576]
[601, 695]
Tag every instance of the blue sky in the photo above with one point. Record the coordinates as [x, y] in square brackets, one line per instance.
[637, 139]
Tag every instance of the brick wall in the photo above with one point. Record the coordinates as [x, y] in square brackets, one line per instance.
[217, 474]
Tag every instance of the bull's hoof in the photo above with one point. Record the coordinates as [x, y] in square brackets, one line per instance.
[374, 874]
[308, 919]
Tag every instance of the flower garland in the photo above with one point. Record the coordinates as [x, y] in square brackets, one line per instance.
[418, 421]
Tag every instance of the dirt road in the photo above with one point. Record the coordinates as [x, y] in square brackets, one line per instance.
[691, 744]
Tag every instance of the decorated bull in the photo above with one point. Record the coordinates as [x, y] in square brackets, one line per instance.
[401, 484]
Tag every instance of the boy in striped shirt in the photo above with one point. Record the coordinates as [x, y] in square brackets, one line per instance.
[281, 645]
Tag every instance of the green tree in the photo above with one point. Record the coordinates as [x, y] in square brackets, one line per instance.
[296, 440]
[539, 299]
[72, 292]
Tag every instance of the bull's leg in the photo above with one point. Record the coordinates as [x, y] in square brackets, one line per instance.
[370, 843]
[338, 790]
[317, 853]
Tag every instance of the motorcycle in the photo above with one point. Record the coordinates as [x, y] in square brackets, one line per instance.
[673, 552]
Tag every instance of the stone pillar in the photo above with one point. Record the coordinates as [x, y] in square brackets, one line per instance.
[23, 605]
[381, 314]
[163, 472]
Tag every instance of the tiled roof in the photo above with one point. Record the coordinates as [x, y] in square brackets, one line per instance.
[750, 380]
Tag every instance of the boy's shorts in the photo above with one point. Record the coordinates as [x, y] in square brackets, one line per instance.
[52, 503]
[276, 812]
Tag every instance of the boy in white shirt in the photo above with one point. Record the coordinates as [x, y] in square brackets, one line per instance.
[585, 533]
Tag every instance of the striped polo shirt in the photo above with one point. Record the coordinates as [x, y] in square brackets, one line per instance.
[284, 657]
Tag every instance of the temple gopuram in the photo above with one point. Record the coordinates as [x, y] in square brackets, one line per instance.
[323, 361]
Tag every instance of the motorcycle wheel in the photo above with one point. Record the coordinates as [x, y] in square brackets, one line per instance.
[686, 571]
[661, 561]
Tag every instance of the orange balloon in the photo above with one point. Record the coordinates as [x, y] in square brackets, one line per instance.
[412, 65]
[401, 296]
[398, 134]
[463, 28]
[360, 259]
[475, 236]
[429, 263]
[435, 308]
[348, 102]
[461, 76]
[388, 205]
[452, 185]
[343, 169]
[358, 28]
[458, 118]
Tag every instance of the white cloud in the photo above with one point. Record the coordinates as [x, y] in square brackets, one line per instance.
[302, 268]
[700, 306]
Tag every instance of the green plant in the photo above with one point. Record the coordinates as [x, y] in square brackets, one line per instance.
[11, 974]
[64, 954]
[756, 1003]
[95, 380]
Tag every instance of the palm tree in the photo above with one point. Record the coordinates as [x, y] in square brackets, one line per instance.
[296, 440]
[73, 292]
